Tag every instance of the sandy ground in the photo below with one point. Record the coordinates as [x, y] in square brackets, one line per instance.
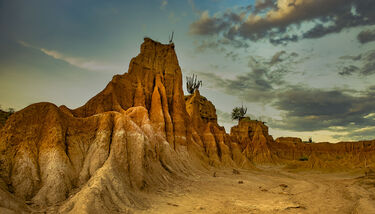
[270, 190]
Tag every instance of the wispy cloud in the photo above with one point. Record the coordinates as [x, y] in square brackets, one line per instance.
[90, 65]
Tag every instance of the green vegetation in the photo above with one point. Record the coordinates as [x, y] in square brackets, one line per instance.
[192, 84]
[303, 158]
[4, 115]
[238, 113]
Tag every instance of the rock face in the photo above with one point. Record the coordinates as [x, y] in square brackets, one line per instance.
[254, 140]
[139, 134]
[3, 117]
[219, 149]
[154, 81]
[339, 156]
[288, 140]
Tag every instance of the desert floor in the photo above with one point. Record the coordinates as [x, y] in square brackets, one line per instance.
[269, 190]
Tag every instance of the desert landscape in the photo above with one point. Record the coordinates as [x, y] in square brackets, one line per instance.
[142, 146]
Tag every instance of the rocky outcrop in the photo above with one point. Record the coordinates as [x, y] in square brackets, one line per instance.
[132, 136]
[154, 81]
[288, 140]
[253, 137]
[218, 146]
[338, 156]
[3, 117]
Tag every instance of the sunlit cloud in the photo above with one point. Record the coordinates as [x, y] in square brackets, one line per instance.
[90, 65]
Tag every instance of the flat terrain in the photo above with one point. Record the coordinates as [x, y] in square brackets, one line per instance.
[269, 190]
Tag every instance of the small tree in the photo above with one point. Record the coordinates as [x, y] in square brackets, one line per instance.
[238, 112]
[192, 84]
[11, 110]
[310, 140]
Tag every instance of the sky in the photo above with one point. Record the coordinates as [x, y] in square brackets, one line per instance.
[305, 67]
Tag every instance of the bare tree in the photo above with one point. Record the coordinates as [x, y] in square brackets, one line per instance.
[238, 113]
[192, 84]
[171, 38]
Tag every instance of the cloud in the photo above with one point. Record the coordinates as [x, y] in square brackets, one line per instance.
[260, 83]
[282, 18]
[204, 45]
[224, 117]
[366, 133]
[366, 64]
[220, 46]
[307, 109]
[90, 65]
[208, 25]
[349, 70]
[302, 108]
[261, 5]
[366, 36]
[276, 58]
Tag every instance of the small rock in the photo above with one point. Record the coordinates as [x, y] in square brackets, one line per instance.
[240, 182]
[214, 175]
[283, 185]
[175, 205]
[199, 208]
[235, 171]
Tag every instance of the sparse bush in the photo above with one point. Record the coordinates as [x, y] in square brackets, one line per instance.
[303, 158]
[11, 110]
[310, 140]
[238, 113]
[192, 84]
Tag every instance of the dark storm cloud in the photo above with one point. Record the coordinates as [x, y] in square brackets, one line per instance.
[280, 21]
[366, 64]
[366, 36]
[315, 109]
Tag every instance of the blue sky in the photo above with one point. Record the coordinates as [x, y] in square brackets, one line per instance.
[305, 67]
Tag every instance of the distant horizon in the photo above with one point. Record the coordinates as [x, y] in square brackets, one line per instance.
[305, 68]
